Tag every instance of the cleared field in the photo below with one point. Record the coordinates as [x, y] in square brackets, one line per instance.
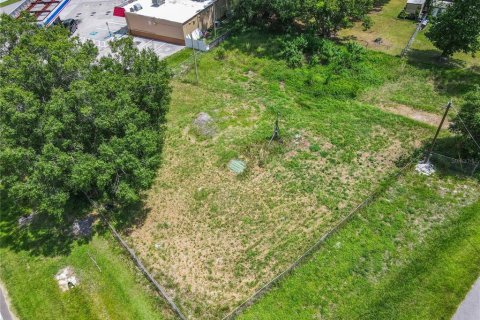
[413, 254]
[212, 237]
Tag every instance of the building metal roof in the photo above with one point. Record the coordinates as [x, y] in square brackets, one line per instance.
[416, 2]
[172, 10]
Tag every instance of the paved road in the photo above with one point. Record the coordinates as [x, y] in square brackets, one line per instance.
[470, 307]
[98, 24]
[4, 311]
[9, 8]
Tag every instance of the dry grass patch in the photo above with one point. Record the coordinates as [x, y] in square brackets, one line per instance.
[213, 238]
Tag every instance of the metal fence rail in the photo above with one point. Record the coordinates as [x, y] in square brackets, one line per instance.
[147, 274]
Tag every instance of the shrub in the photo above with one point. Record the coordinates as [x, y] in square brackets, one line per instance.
[315, 60]
[328, 51]
[293, 51]
[220, 54]
[403, 14]
[367, 23]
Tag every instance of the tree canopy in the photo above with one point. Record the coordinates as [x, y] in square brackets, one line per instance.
[322, 16]
[74, 125]
[457, 29]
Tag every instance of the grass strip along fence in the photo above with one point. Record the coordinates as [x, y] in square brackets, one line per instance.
[389, 181]
[147, 274]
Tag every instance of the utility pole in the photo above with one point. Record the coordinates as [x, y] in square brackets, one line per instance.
[429, 154]
[215, 20]
[195, 59]
[108, 28]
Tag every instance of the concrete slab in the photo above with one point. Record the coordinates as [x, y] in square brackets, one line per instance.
[98, 24]
[470, 307]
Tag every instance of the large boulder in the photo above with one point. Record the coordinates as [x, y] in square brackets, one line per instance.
[83, 227]
[204, 125]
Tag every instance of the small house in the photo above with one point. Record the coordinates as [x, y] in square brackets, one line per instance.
[439, 6]
[414, 8]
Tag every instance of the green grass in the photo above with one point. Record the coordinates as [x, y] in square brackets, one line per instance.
[116, 291]
[110, 286]
[413, 254]
[213, 238]
[424, 87]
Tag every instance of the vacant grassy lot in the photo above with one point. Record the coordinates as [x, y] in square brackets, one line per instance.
[113, 290]
[395, 34]
[214, 238]
[413, 254]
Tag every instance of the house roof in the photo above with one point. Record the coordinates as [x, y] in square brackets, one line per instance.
[416, 1]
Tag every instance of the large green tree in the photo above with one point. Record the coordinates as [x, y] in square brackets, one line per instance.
[279, 14]
[457, 29]
[329, 16]
[74, 125]
[324, 17]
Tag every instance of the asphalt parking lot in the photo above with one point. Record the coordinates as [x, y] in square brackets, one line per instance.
[97, 23]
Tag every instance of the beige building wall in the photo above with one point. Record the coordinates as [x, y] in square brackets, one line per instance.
[155, 28]
[204, 20]
[173, 32]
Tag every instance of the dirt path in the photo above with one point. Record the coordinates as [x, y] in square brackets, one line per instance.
[417, 115]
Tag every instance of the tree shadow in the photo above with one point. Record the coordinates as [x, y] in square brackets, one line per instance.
[433, 57]
[41, 234]
[449, 158]
[128, 217]
[255, 42]
[452, 78]
[53, 236]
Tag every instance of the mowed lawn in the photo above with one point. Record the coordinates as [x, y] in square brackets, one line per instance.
[115, 291]
[413, 254]
[213, 238]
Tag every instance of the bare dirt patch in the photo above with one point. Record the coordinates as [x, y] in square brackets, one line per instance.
[214, 238]
[417, 115]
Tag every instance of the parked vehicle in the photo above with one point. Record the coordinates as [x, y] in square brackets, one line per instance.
[70, 24]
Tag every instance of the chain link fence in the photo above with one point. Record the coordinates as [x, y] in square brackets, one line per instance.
[469, 167]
